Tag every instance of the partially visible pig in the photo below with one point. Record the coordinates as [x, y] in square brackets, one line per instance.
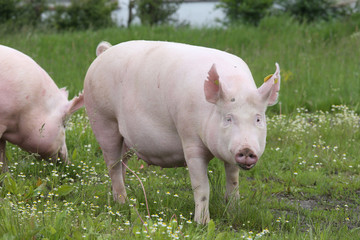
[33, 110]
[177, 105]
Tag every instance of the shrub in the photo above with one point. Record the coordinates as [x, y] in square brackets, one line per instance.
[7, 10]
[247, 11]
[22, 13]
[155, 12]
[84, 14]
[312, 10]
[29, 12]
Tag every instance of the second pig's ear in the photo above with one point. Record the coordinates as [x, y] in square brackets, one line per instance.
[65, 92]
[75, 104]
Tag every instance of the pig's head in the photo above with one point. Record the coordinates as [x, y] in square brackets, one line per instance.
[236, 129]
[49, 136]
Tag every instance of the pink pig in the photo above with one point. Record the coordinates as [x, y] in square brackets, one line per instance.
[175, 105]
[33, 110]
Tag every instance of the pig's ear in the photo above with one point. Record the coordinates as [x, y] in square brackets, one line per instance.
[212, 86]
[269, 90]
[75, 104]
[65, 92]
[102, 47]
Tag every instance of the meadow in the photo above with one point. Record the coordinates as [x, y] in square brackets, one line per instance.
[305, 186]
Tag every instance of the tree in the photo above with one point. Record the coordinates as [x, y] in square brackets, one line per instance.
[130, 11]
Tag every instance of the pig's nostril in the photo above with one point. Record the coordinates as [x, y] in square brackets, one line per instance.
[252, 156]
[241, 155]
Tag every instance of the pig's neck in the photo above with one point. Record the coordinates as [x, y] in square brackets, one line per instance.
[209, 133]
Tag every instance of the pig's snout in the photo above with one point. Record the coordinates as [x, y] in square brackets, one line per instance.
[63, 154]
[246, 158]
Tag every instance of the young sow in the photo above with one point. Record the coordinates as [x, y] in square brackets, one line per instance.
[177, 105]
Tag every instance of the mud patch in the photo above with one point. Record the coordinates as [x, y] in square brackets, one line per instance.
[308, 204]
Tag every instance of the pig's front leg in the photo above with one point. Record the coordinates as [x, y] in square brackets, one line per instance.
[197, 166]
[232, 181]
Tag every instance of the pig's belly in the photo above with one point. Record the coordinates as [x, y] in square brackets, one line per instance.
[164, 150]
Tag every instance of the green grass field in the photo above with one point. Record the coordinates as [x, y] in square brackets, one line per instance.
[306, 185]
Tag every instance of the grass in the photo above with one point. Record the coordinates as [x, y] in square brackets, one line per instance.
[306, 185]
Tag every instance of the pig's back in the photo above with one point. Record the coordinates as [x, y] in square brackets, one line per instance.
[146, 80]
[135, 71]
[23, 83]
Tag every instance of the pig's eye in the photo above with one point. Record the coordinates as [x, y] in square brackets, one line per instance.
[228, 120]
[259, 120]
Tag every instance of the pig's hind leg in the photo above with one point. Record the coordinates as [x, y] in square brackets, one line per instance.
[111, 142]
[3, 163]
